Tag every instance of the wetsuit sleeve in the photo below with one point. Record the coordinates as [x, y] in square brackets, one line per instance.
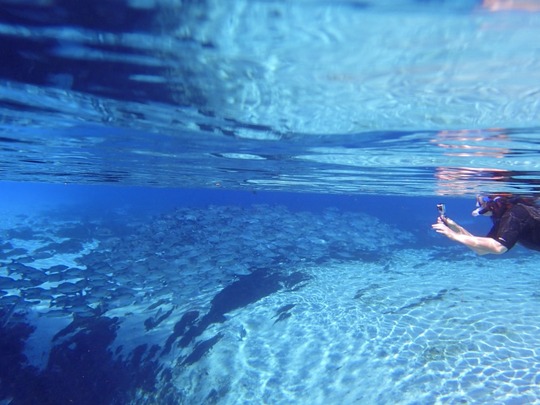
[508, 230]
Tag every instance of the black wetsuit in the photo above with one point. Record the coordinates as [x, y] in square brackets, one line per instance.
[519, 224]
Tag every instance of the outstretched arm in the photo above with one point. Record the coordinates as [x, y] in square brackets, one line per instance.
[454, 226]
[480, 245]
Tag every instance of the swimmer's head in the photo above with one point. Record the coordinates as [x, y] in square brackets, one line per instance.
[482, 206]
[490, 206]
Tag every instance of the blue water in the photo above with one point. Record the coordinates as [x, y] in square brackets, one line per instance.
[207, 202]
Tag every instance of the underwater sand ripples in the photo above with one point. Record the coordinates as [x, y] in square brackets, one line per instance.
[352, 317]
[463, 337]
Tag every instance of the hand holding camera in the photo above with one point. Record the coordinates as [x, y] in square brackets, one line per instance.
[442, 213]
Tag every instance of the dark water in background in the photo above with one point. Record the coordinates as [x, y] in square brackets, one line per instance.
[405, 213]
[119, 116]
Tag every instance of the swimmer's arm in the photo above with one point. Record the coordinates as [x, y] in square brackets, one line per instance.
[455, 227]
[480, 245]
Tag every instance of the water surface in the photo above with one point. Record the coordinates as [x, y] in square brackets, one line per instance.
[328, 97]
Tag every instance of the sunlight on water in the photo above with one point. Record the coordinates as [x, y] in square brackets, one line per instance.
[312, 68]
[316, 89]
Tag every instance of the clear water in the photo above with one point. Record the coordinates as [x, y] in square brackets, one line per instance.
[230, 202]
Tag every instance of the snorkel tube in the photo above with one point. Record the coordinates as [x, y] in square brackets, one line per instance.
[483, 206]
[491, 206]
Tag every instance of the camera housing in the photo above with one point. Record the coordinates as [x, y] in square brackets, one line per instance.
[442, 209]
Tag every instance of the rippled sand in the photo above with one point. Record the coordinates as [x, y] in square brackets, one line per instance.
[267, 305]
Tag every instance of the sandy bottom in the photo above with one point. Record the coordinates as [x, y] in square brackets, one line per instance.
[427, 326]
[418, 330]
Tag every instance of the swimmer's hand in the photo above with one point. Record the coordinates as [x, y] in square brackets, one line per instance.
[480, 245]
[448, 227]
[445, 227]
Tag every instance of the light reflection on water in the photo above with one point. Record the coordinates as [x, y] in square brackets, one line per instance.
[312, 96]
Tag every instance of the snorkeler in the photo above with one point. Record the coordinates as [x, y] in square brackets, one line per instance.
[515, 220]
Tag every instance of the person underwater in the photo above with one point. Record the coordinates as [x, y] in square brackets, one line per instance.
[515, 220]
